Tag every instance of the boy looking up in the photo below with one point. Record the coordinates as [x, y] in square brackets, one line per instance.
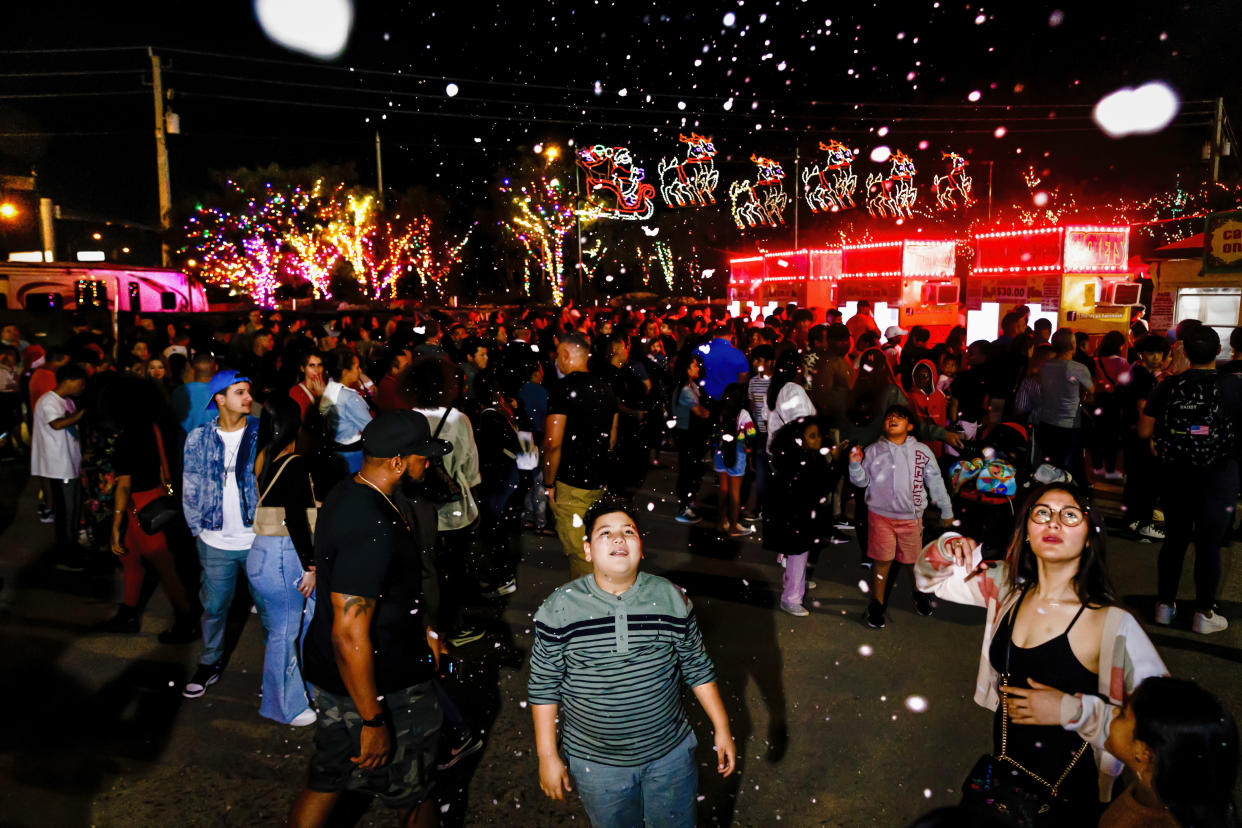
[609, 647]
[899, 474]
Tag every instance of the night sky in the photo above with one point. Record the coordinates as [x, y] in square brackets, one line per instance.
[772, 78]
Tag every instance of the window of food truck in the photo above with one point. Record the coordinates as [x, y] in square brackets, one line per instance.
[1036, 313]
[983, 323]
[1216, 307]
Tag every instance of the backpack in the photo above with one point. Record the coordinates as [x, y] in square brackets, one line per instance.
[1195, 429]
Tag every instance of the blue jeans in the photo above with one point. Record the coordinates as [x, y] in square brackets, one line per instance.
[220, 570]
[274, 572]
[660, 794]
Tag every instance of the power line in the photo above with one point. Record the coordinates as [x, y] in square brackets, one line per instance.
[66, 74]
[30, 95]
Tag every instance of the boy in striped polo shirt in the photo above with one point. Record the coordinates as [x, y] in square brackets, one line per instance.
[609, 650]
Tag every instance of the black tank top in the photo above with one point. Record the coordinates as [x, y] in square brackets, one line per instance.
[1047, 749]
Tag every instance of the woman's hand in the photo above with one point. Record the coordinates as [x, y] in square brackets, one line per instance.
[306, 585]
[118, 545]
[1040, 705]
[961, 549]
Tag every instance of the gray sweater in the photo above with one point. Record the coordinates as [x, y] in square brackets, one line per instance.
[900, 478]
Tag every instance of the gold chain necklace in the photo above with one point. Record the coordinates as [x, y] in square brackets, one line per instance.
[363, 478]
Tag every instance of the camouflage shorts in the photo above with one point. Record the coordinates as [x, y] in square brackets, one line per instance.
[414, 722]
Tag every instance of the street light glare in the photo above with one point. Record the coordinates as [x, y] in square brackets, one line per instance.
[8, 210]
[552, 153]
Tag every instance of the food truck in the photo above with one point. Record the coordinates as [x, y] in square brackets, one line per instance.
[806, 278]
[908, 282]
[1077, 276]
[1200, 277]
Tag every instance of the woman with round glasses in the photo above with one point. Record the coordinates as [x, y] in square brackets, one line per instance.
[1056, 645]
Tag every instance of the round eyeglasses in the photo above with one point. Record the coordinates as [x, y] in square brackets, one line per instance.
[1066, 516]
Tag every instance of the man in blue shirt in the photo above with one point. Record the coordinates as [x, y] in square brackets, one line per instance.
[190, 400]
[723, 362]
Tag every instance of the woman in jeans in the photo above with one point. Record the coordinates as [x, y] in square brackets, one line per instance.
[345, 412]
[280, 565]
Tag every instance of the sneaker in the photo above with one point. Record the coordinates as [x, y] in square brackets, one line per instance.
[1165, 613]
[1209, 622]
[811, 585]
[687, 515]
[306, 717]
[205, 676]
[873, 617]
[466, 636]
[923, 604]
[796, 610]
[1114, 476]
[837, 536]
[507, 588]
[1151, 531]
[471, 745]
[866, 563]
[46, 516]
[843, 525]
[740, 531]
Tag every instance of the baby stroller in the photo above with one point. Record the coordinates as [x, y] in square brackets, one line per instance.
[985, 480]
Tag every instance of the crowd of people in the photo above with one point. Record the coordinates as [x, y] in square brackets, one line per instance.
[372, 476]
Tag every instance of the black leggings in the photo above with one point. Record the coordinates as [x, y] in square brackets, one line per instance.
[691, 444]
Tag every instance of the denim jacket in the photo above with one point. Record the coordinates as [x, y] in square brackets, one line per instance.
[202, 488]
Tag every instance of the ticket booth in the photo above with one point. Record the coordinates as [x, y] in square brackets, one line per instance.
[909, 282]
[1075, 276]
[1201, 278]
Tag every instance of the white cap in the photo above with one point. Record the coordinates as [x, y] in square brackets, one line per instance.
[894, 331]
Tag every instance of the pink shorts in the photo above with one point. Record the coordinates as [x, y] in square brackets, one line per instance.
[889, 538]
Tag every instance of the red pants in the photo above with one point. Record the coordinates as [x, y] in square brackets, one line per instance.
[152, 547]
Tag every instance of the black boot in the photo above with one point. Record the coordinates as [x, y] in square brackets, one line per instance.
[185, 629]
[126, 621]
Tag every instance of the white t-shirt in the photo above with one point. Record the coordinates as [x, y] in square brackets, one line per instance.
[233, 534]
[55, 453]
[462, 463]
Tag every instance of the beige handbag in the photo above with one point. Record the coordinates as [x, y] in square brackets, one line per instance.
[269, 521]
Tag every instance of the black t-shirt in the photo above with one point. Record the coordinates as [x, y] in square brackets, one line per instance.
[137, 455]
[588, 405]
[970, 389]
[364, 547]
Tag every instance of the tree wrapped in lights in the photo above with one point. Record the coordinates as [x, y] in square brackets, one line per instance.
[243, 249]
[542, 214]
[434, 259]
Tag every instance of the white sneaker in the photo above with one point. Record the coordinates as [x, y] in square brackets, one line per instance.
[811, 585]
[1165, 613]
[796, 610]
[1209, 623]
[306, 717]
[1152, 532]
[1114, 476]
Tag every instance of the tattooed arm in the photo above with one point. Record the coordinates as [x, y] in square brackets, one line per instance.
[351, 642]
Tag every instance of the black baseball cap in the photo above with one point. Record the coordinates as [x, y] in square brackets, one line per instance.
[400, 433]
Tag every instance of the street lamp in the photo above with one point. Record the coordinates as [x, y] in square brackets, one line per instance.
[8, 210]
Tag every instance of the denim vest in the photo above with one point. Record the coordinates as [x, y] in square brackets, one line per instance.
[202, 477]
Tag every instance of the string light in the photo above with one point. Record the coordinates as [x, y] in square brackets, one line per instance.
[893, 197]
[956, 183]
[612, 170]
[762, 203]
[664, 254]
[543, 215]
[692, 182]
[831, 188]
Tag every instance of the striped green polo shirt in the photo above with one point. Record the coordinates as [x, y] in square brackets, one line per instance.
[613, 664]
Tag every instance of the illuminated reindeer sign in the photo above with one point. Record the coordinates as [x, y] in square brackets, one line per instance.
[957, 182]
[612, 169]
[893, 197]
[831, 188]
[692, 182]
[764, 201]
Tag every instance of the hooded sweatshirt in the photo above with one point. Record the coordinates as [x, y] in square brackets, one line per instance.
[931, 408]
[899, 479]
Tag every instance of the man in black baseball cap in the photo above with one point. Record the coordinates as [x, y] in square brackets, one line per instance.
[370, 653]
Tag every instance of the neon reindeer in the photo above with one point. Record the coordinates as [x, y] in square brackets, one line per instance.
[612, 169]
[893, 197]
[761, 203]
[692, 182]
[957, 181]
[825, 193]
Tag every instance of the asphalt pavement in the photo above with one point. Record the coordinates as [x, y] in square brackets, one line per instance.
[836, 724]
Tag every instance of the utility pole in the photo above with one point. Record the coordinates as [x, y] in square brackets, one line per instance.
[578, 235]
[797, 178]
[1216, 150]
[379, 168]
[990, 165]
[161, 153]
